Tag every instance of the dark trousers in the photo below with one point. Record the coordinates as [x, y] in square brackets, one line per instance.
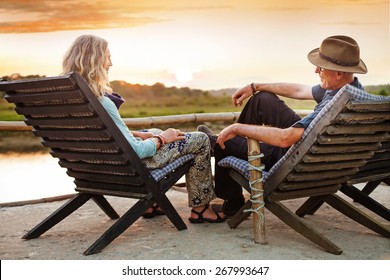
[262, 109]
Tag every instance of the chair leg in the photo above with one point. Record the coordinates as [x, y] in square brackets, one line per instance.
[355, 214]
[310, 206]
[56, 217]
[119, 227]
[171, 212]
[102, 202]
[300, 226]
[370, 187]
[366, 201]
[240, 216]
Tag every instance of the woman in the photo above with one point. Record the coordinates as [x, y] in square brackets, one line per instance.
[89, 55]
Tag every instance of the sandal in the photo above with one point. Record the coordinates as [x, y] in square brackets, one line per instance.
[202, 219]
[217, 207]
[155, 212]
[229, 209]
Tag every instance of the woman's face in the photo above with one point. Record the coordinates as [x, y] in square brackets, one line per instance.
[107, 63]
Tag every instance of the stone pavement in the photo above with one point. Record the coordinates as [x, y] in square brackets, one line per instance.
[158, 239]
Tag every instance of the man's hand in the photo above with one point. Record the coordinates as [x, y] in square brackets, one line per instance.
[240, 95]
[226, 134]
[172, 135]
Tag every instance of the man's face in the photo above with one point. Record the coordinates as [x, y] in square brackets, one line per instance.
[328, 78]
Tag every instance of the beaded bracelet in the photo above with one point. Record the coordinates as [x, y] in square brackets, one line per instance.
[160, 139]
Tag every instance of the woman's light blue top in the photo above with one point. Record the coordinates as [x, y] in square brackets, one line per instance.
[143, 148]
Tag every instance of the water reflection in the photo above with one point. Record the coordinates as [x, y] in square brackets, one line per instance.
[27, 177]
[33, 176]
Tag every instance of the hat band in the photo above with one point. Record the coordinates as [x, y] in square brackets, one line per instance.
[338, 62]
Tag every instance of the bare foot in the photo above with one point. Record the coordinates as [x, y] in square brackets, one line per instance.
[153, 211]
[153, 208]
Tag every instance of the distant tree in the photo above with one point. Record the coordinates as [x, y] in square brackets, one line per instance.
[18, 76]
[158, 88]
[383, 92]
[186, 90]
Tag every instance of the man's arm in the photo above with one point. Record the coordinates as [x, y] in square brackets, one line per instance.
[290, 90]
[279, 137]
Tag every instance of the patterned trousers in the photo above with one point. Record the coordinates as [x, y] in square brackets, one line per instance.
[199, 179]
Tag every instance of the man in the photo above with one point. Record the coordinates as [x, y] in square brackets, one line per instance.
[267, 119]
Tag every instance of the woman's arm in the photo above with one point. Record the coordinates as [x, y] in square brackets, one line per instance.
[145, 148]
[142, 134]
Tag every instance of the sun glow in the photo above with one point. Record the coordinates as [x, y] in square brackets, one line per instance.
[184, 75]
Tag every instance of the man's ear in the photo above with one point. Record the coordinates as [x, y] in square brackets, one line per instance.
[339, 75]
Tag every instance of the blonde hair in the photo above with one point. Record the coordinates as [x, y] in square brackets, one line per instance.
[87, 56]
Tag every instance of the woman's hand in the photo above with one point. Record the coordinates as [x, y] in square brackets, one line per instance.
[172, 135]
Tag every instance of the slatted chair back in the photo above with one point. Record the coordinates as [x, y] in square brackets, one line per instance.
[334, 151]
[376, 171]
[376, 168]
[73, 124]
[81, 134]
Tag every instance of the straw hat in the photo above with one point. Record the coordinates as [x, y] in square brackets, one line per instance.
[338, 53]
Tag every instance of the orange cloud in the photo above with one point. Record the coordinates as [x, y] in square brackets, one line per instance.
[52, 15]
[47, 16]
[27, 16]
[51, 24]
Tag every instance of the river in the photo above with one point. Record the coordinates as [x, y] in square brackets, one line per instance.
[33, 176]
[29, 177]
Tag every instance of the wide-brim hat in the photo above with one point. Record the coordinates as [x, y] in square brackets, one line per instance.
[338, 53]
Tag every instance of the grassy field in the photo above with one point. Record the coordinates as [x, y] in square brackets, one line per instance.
[136, 109]
[159, 100]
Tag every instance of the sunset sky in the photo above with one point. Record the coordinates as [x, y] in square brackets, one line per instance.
[202, 44]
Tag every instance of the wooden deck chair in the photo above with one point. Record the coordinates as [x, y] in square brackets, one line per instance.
[376, 171]
[80, 133]
[338, 143]
[373, 173]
